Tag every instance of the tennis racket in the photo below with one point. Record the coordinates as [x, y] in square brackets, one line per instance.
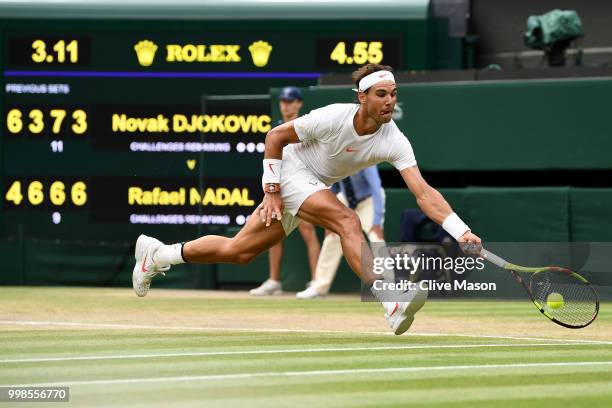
[562, 295]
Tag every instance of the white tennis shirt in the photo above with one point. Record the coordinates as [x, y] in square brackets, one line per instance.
[332, 149]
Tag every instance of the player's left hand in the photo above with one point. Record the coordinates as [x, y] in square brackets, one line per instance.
[470, 243]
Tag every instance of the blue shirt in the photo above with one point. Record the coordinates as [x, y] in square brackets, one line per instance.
[367, 183]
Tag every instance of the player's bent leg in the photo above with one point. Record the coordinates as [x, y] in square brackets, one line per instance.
[324, 209]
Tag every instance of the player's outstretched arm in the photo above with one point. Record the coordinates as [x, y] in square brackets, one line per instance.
[436, 207]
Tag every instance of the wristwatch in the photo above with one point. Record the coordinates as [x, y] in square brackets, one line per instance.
[272, 188]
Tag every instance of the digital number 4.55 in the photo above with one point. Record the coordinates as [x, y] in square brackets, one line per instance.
[363, 52]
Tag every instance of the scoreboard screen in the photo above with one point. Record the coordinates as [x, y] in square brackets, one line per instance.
[257, 52]
[145, 125]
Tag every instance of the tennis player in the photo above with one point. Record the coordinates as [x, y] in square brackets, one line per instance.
[302, 158]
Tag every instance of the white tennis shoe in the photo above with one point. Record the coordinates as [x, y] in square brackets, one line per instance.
[145, 269]
[309, 293]
[269, 288]
[401, 316]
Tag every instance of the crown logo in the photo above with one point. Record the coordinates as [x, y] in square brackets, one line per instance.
[260, 52]
[145, 51]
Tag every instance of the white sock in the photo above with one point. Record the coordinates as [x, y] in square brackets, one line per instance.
[169, 255]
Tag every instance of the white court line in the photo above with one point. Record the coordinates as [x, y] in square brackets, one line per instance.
[577, 341]
[273, 330]
[280, 351]
[311, 373]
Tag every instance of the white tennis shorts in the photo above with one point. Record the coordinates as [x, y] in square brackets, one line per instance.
[297, 184]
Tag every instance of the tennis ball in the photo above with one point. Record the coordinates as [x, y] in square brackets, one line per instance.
[555, 300]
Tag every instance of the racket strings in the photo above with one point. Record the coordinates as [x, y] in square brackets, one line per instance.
[577, 305]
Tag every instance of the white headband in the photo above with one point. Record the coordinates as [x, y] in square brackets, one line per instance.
[372, 79]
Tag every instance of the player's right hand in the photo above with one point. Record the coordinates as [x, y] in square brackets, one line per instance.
[470, 243]
[270, 208]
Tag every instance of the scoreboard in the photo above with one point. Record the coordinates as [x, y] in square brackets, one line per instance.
[114, 127]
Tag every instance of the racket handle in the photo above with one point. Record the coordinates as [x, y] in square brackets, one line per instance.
[491, 257]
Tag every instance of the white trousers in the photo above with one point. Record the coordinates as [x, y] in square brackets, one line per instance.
[331, 249]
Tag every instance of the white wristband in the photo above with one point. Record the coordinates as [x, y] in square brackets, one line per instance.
[454, 226]
[271, 171]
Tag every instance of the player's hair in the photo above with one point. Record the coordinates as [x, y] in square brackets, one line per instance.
[366, 70]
